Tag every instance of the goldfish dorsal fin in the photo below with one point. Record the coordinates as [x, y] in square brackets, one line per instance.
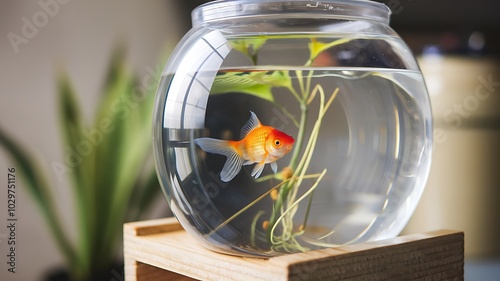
[251, 124]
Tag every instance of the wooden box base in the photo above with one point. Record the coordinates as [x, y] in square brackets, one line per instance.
[162, 250]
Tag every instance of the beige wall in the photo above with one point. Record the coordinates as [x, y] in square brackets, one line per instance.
[463, 191]
[77, 36]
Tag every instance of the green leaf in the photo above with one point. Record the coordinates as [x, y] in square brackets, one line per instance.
[112, 102]
[38, 187]
[316, 47]
[259, 84]
[249, 47]
[116, 110]
[72, 128]
[123, 152]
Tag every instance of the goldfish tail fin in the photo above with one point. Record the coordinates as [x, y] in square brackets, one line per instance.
[234, 161]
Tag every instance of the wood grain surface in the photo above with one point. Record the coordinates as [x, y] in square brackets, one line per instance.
[162, 250]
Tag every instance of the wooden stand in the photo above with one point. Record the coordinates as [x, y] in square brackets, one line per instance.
[162, 250]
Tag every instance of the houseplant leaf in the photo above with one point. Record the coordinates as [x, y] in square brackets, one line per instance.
[316, 47]
[256, 83]
[79, 165]
[249, 47]
[38, 187]
[108, 168]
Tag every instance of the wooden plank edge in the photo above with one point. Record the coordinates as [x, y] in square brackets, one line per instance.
[150, 227]
[203, 264]
[435, 256]
[346, 249]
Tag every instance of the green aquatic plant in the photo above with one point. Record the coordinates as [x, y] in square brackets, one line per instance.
[113, 180]
[280, 226]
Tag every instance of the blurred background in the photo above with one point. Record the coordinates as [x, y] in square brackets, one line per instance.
[456, 43]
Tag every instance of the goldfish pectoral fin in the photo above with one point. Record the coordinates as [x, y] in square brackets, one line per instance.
[248, 162]
[257, 170]
[274, 167]
[232, 167]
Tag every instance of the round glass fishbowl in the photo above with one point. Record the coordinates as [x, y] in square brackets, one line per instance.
[288, 126]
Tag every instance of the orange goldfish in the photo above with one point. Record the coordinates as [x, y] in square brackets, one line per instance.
[260, 144]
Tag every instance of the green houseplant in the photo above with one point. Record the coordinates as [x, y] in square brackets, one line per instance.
[109, 164]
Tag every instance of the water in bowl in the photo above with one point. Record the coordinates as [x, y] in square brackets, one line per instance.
[355, 173]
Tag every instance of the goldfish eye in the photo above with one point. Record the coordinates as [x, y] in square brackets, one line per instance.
[277, 143]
